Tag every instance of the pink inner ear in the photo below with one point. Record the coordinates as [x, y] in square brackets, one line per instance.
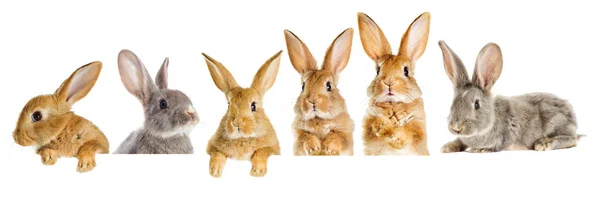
[78, 82]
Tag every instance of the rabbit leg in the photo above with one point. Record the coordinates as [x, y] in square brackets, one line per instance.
[217, 163]
[557, 142]
[49, 156]
[454, 146]
[307, 144]
[259, 161]
[334, 143]
[86, 155]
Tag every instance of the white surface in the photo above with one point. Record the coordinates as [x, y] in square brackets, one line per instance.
[550, 48]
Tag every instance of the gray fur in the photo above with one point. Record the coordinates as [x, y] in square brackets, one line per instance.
[534, 121]
[165, 131]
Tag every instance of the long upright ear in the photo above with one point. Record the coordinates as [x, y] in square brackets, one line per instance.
[220, 75]
[300, 56]
[134, 76]
[373, 40]
[265, 77]
[338, 53]
[415, 38]
[79, 84]
[163, 74]
[488, 66]
[455, 69]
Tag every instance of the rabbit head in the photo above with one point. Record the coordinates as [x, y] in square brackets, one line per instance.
[45, 116]
[472, 110]
[395, 79]
[167, 111]
[245, 117]
[320, 96]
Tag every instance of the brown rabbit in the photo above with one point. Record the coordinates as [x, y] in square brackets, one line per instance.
[245, 132]
[322, 125]
[47, 123]
[395, 120]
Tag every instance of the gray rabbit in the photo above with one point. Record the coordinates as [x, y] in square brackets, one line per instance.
[169, 114]
[483, 122]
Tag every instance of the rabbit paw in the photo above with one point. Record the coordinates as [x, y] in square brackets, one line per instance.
[450, 148]
[86, 164]
[216, 169]
[479, 150]
[332, 147]
[49, 156]
[258, 169]
[544, 144]
[312, 146]
[396, 140]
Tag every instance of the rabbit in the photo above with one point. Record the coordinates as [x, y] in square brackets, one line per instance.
[48, 124]
[395, 122]
[245, 132]
[484, 123]
[322, 125]
[169, 114]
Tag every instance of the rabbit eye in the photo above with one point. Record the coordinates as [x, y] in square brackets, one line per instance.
[476, 104]
[302, 86]
[328, 85]
[36, 116]
[253, 106]
[163, 104]
[406, 71]
[378, 69]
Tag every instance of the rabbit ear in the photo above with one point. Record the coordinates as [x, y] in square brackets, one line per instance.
[373, 40]
[134, 76]
[265, 77]
[338, 53]
[300, 56]
[220, 75]
[79, 84]
[415, 38]
[455, 69]
[162, 75]
[488, 66]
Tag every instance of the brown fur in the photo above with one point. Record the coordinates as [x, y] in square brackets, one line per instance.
[61, 133]
[255, 138]
[395, 122]
[328, 130]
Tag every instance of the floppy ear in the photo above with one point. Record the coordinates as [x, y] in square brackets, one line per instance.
[134, 76]
[300, 56]
[265, 77]
[415, 38]
[220, 75]
[162, 75]
[488, 66]
[79, 84]
[373, 40]
[455, 69]
[338, 53]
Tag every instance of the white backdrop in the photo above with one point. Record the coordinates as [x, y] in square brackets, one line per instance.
[550, 47]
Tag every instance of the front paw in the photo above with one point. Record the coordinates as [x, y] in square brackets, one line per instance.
[312, 146]
[49, 156]
[479, 150]
[451, 147]
[258, 169]
[216, 169]
[543, 145]
[86, 163]
[332, 147]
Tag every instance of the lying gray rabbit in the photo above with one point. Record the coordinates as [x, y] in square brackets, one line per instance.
[483, 122]
[169, 114]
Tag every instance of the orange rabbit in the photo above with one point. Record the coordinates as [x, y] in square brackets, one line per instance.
[395, 120]
[47, 123]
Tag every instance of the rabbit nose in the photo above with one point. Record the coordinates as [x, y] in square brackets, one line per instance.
[190, 111]
[457, 128]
